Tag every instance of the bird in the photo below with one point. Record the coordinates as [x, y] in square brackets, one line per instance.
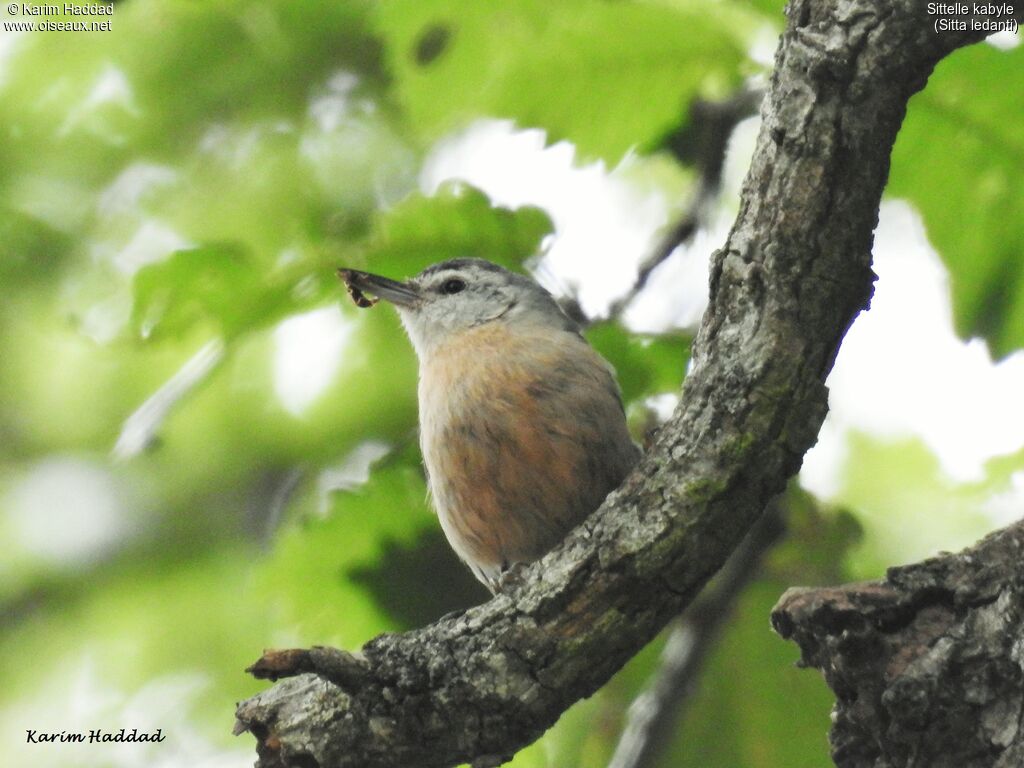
[522, 428]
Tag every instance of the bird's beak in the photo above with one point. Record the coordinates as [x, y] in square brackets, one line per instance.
[400, 294]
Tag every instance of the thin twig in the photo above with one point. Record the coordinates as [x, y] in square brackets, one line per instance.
[705, 141]
[269, 507]
[140, 429]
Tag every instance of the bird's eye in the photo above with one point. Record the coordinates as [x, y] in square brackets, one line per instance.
[452, 285]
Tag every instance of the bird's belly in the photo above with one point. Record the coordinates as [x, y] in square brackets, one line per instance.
[522, 439]
[503, 492]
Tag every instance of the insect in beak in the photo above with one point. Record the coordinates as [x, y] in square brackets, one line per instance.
[361, 283]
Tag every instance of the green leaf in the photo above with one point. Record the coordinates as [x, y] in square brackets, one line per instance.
[607, 76]
[644, 365]
[459, 220]
[308, 578]
[215, 283]
[959, 159]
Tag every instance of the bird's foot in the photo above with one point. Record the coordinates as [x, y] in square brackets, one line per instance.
[511, 577]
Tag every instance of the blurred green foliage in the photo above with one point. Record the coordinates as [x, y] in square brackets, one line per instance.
[559, 65]
[935, 512]
[196, 175]
[959, 159]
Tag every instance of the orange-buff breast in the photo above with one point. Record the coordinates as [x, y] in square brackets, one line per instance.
[523, 436]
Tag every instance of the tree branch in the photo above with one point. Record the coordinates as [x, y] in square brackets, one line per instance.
[928, 665]
[655, 712]
[789, 281]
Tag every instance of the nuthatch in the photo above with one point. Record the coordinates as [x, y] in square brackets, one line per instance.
[521, 422]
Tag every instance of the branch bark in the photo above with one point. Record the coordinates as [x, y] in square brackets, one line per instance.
[928, 665]
[788, 282]
[654, 714]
